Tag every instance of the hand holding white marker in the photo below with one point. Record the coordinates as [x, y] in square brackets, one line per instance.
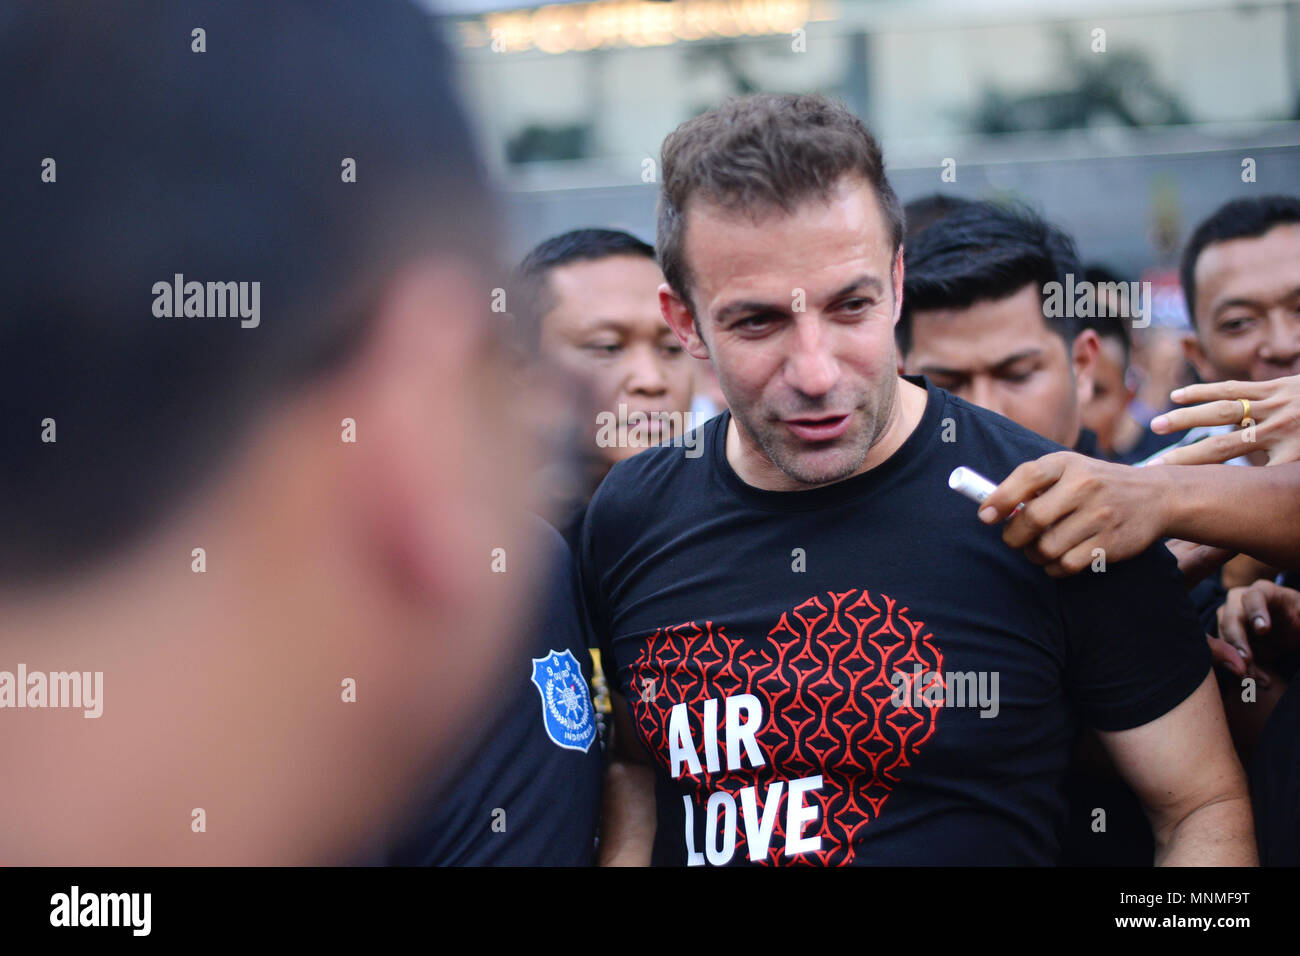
[974, 486]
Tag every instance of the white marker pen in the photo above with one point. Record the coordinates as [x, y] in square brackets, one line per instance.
[973, 485]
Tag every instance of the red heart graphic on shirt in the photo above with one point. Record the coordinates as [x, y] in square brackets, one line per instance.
[826, 677]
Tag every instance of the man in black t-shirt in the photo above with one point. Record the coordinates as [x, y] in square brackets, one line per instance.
[826, 655]
[526, 792]
[588, 299]
[977, 321]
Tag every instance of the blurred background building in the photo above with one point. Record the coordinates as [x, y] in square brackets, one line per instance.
[1126, 122]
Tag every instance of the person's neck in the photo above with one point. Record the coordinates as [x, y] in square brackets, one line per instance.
[755, 468]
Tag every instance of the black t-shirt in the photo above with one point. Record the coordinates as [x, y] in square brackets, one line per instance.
[1275, 784]
[527, 792]
[779, 652]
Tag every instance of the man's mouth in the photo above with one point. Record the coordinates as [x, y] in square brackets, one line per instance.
[825, 428]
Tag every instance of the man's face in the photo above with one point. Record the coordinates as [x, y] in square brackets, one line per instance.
[797, 312]
[1001, 355]
[1110, 393]
[1248, 308]
[605, 329]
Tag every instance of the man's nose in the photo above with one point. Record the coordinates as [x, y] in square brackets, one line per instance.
[810, 365]
[645, 372]
[983, 394]
[1282, 341]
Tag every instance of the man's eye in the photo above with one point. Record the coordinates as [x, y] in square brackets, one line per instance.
[1018, 377]
[1235, 323]
[673, 350]
[753, 322]
[603, 348]
[858, 305]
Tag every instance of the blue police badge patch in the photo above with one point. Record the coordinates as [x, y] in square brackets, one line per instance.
[566, 703]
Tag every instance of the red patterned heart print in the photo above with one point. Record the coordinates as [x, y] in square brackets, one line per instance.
[825, 675]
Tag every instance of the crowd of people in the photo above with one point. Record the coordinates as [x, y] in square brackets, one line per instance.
[630, 553]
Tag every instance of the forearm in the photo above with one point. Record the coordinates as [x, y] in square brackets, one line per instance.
[1251, 510]
[627, 828]
[1218, 833]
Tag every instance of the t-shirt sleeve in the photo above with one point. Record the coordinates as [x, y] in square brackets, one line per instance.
[1136, 647]
[1207, 597]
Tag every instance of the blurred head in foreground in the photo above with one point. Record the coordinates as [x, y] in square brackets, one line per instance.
[976, 318]
[259, 415]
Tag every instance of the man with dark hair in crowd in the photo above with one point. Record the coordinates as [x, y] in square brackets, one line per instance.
[255, 480]
[586, 300]
[976, 321]
[1241, 276]
[1120, 437]
[590, 299]
[811, 637]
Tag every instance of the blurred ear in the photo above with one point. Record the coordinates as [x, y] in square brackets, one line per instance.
[405, 475]
[1195, 354]
[680, 319]
[1083, 356]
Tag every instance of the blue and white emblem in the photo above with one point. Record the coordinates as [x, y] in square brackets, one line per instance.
[566, 702]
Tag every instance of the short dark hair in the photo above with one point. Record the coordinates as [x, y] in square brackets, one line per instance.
[226, 165]
[530, 291]
[1108, 322]
[759, 152]
[982, 252]
[923, 212]
[1236, 219]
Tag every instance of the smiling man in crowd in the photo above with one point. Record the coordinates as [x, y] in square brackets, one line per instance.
[825, 655]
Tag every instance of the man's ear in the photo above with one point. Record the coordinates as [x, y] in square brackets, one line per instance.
[1195, 354]
[681, 320]
[402, 476]
[897, 275]
[1083, 357]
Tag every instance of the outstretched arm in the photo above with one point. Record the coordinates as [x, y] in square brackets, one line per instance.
[1074, 504]
[1183, 768]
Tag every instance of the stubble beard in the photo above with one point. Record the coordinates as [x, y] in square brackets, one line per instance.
[850, 452]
